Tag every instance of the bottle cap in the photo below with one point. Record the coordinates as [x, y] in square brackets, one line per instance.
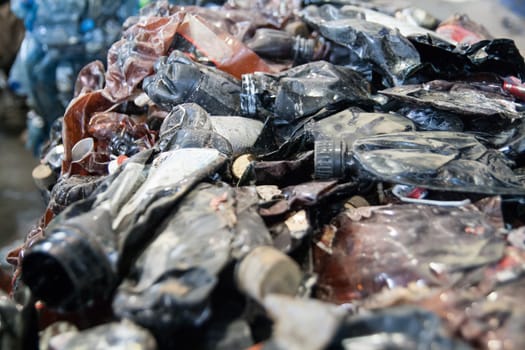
[329, 159]
[356, 202]
[240, 164]
[68, 269]
[266, 270]
[44, 177]
[87, 25]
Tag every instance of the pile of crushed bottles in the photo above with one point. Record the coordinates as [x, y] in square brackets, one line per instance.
[282, 175]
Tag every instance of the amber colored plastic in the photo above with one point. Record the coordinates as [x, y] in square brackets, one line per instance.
[131, 59]
[90, 78]
[224, 51]
[106, 126]
[367, 249]
[76, 121]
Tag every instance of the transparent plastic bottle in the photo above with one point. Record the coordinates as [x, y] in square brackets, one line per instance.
[439, 160]
[278, 44]
[302, 91]
[91, 244]
[180, 80]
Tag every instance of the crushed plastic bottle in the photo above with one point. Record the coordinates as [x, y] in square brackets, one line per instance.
[371, 46]
[405, 236]
[302, 91]
[175, 276]
[155, 36]
[444, 161]
[229, 134]
[180, 80]
[107, 227]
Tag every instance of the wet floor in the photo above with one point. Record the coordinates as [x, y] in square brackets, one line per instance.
[20, 202]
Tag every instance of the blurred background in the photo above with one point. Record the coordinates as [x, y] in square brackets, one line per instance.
[502, 18]
[20, 201]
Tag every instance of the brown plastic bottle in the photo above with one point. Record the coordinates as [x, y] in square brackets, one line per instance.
[207, 44]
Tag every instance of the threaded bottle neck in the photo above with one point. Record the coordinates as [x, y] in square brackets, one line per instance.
[329, 158]
[248, 98]
[303, 49]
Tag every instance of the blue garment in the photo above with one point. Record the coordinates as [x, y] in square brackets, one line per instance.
[62, 36]
[517, 6]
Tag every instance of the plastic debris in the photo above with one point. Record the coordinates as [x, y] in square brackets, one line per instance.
[277, 175]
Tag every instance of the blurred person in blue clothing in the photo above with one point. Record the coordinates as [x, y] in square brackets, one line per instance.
[61, 37]
[517, 6]
[12, 109]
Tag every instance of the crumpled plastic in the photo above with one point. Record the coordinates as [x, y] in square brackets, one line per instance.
[443, 60]
[485, 313]
[107, 228]
[193, 197]
[352, 124]
[371, 45]
[302, 91]
[90, 78]
[460, 98]
[431, 119]
[179, 80]
[436, 160]
[177, 276]
[429, 245]
[131, 58]
[115, 335]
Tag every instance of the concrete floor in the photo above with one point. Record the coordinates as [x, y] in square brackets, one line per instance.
[20, 203]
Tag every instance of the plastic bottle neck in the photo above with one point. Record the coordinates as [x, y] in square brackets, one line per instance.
[303, 49]
[330, 159]
[248, 98]
[81, 270]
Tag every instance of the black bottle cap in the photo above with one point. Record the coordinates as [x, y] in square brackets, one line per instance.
[329, 159]
[68, 270]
